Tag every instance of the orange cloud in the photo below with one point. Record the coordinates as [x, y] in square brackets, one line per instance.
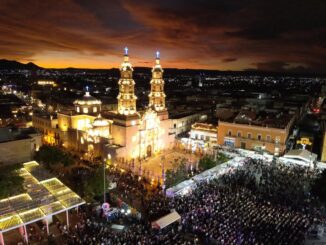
[226, 34]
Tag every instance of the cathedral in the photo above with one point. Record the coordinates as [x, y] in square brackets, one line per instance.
[126, 133]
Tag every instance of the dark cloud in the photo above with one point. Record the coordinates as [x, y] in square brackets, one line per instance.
[272, 19]
[271, 66]
[224, 34]
[281, 66]
[261, 31]
[226, 60]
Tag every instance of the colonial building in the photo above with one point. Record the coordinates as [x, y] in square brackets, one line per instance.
[202, 136]
[126, 133]
[256, 131]
[47, 125]
[205, 132]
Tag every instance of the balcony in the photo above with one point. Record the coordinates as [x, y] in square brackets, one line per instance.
[252, 139]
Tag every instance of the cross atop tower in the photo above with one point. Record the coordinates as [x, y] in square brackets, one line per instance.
[87, 91]
[126, 50]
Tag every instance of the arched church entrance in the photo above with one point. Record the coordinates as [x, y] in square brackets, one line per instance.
[149, 150]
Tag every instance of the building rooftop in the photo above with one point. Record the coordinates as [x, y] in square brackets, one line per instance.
[70, 112]
[261, 118]
[205, 127]
[45, 114]
[115, 115]
[176, 114]
[10, 134]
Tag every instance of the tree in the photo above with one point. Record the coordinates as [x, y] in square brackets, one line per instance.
[176, 175]
[169, 178]
[206, 163]
[11, 183]
[93, 186]
[221, 158]
[318, 188]
[51, 156]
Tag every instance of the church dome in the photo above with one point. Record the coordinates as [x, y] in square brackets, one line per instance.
[100, 122]
[88, 100]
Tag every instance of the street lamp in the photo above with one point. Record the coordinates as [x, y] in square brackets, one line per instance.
[104, 196]
[163, 176]
[263, 149]
[311, 162]
[104, 177]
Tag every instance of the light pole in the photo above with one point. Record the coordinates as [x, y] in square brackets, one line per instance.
[263, 150]
[163, 176]
[104, 196]
[104, 177]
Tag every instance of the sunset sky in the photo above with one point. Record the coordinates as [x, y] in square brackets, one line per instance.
[273, 35]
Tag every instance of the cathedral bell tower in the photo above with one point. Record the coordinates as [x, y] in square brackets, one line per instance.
[126, 98]
[157, 95]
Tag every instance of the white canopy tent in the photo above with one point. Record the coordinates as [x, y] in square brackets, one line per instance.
[180, 188]
[166, 220]
[301, 155]
[187, 185]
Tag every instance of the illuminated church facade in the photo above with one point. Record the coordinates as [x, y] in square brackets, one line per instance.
[126, 133]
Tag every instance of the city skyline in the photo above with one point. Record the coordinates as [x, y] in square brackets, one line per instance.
[224, 35]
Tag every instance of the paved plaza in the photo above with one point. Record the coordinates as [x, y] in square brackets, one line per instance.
[153, 166]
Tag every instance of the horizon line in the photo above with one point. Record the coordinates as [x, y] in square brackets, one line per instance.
[176, 68]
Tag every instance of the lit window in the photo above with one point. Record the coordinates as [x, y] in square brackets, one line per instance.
[94, 109]
[77, 109]
[85, 110]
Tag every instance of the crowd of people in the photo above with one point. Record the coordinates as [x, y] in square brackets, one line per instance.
[97, 232]
[257, 203]
[279, 183]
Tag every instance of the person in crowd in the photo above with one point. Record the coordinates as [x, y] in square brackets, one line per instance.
[254, 204]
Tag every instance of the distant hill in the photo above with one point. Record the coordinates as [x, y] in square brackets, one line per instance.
[15, 65]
